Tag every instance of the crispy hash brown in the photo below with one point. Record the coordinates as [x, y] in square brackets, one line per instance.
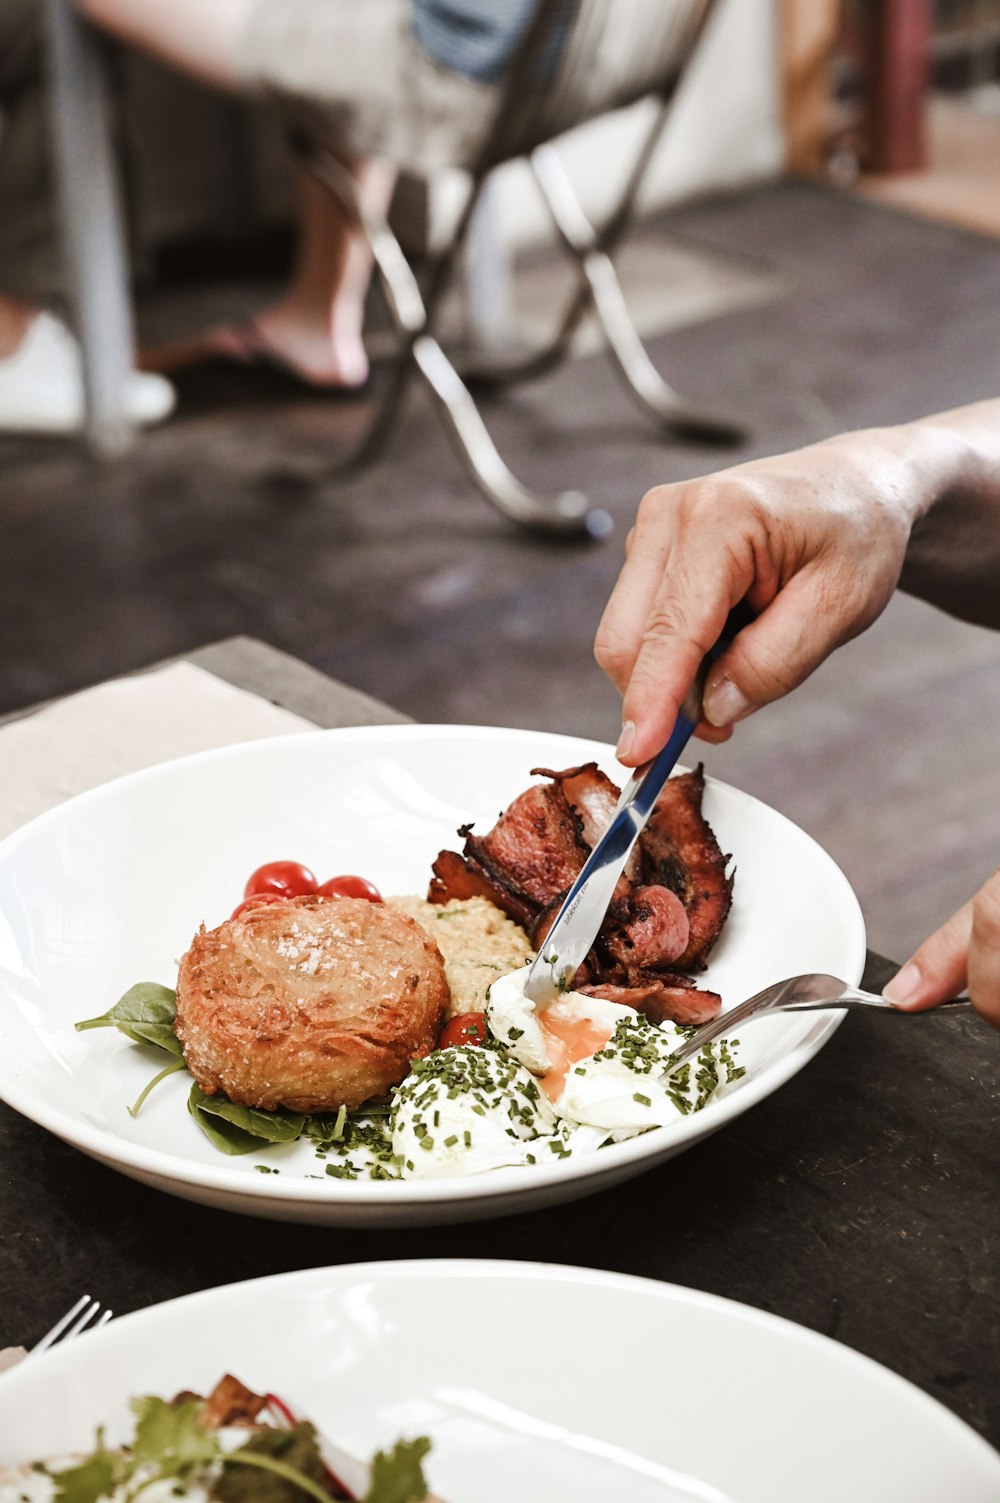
[312, 1003]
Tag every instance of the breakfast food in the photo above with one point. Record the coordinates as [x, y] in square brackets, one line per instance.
[668, 909]
[394, 1035]
[235, 1446]
[478, 944]
[550, 1084]
[310, 1003]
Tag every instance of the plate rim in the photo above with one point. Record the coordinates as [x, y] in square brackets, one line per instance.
[102, 1144]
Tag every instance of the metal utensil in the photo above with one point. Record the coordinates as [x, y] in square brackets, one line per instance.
[813, 992]
[85, 1315]
[586, 904]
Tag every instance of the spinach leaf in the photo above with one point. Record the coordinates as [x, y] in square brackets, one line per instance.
[171, 1069]
[220, 1134]
[241, 1129]
[274, 1127]
[145, 1014]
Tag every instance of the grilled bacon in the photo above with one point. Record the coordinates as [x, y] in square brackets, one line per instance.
[669, 906]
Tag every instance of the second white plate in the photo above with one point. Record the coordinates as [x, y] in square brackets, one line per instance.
[536, 1383]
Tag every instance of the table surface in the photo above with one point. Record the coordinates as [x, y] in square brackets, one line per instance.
[861, 1200]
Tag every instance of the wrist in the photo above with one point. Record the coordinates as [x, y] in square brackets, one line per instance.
[914, 465]
[939, 458]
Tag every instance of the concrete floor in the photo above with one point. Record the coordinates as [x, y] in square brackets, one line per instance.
[961, 182]
[828, 313]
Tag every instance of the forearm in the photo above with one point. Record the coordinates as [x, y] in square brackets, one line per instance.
[953, 556]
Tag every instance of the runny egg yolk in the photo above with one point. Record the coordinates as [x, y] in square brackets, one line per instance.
[566, 1041]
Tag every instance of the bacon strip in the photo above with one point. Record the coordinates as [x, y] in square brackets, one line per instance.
[592, 796]
[660, 997]
[456, 876]
[683, 854]
[669, 906]
[535, 843]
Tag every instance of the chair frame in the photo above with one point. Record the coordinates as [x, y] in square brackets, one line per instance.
[92, 225]
[414, 302]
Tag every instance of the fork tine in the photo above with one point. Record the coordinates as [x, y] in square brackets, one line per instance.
[86, 1315]
[61, 1324]
[82, 1321]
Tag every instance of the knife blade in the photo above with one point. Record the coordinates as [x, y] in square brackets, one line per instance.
[585, 906]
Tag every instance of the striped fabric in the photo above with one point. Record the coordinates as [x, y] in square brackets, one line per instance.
[476, 37]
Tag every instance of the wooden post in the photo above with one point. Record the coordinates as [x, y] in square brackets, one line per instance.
[897, 66]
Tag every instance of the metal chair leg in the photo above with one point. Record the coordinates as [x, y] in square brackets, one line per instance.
[488, 372]
[641, 377]
[567, 514]
[92, 226]
[492, 374]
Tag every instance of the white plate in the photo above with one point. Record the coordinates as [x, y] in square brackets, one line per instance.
[534, 1382]
[109, 888]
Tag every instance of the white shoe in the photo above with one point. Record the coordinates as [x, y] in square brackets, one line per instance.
[41, 384]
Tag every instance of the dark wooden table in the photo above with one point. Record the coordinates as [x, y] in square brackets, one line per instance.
[861, 1200]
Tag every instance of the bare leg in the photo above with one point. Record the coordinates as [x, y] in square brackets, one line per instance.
[15, 320]
[316, 326]
[198, 37]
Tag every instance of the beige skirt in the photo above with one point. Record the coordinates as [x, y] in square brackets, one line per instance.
[351, 70]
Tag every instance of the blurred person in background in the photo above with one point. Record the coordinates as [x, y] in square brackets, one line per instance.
[816, 542]
[375, 86]
[41, 379]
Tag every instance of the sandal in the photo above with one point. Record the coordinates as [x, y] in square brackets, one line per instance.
[239, 346]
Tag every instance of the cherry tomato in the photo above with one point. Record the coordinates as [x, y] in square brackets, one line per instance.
[256, 901]
[286, 879]
[350, 887]
[467, 1028]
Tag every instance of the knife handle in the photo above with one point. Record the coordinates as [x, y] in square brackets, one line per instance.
[740, 616]
[643, 788]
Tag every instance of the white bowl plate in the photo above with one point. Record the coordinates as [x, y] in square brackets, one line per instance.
[536, 1383]
[109, 888]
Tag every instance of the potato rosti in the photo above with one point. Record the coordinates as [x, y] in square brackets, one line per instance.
[311, 1003]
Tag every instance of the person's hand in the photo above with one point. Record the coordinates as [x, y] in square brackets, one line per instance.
[964, 952]
[813, 540]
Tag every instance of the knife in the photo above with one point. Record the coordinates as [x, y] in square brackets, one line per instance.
[585, 906]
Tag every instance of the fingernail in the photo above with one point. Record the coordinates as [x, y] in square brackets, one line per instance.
[905, 985]
[724, 703]
[626, 740]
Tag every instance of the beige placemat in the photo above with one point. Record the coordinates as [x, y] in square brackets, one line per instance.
[115, 728]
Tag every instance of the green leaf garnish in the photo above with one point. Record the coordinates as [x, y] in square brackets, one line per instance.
[222, 1135]
[397, 1476]
[275, 1466]
[171, 1444]
[241, 1129]
[94, 1478]
[171, 1069]
[145, 1014]
[171, 1436]
[273, 1127]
